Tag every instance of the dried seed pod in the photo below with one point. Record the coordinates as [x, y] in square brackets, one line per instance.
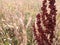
[49, 22]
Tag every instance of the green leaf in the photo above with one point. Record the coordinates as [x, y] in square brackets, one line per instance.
[6, 43]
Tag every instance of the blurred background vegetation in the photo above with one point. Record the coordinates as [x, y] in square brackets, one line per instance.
[17, 16]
